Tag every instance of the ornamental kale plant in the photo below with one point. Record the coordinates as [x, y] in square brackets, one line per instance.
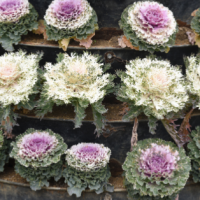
[76, 80]
[192, 64]
[18, 85]
[154, 87]
[67, 19]
[194, 154]
[149, 26]
[87, 167]
[17, 17]
[37, 156]
[155, 169]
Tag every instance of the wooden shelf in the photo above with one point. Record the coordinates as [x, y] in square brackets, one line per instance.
[105, 38]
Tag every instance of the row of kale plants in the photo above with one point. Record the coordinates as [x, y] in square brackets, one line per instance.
[151, 86]
[154, 169]
[147, 25]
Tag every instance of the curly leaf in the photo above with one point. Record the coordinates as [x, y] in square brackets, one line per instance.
[7, 43]
[109, 188]
[99, 120]
[152, 124]
[124, 42]
[80, 113]
[99, 107]
[85, 42]
[133, 112]
[44, 106]
[121, 43]
[75, 190]
[63, 44]
[41, 30]
[60, 57]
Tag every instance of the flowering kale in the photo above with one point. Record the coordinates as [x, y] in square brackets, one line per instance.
[38, 156]
[192, 64]
[88, 156]
[87, 166]
[152, 86]
[17, 17]
[194, 153]
[76, 80]
[66, 19]
[156, 169]
[18, 84]
[13, 10]
[149, 26]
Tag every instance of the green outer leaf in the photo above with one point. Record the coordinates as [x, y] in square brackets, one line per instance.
[38, 177]
[56, 34]
[78, 181]
[195, 23]
[152, 124]
[149, 186]
[133, 112]
[135, 194]
[99, 120]
[195, 171]
[10, 33]
[138, 42]
[44, 105]
[194, 153]
[53, 157]
[80, 113]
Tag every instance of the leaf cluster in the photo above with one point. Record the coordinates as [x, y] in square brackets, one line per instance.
[38, 177]
[140, 43]
[10, 33]
[155, 186]
[46, 104]
[53, 157]
[135, 194]
[195, 23]
[56, 34]
[194, 153]
[78, 181]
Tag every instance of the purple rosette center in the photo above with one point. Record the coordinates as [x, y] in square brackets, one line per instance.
[153, 16]
[12, 10]
[67, 9]
[10, 6]
[37, 144]
[158, 161]
[90, 152]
